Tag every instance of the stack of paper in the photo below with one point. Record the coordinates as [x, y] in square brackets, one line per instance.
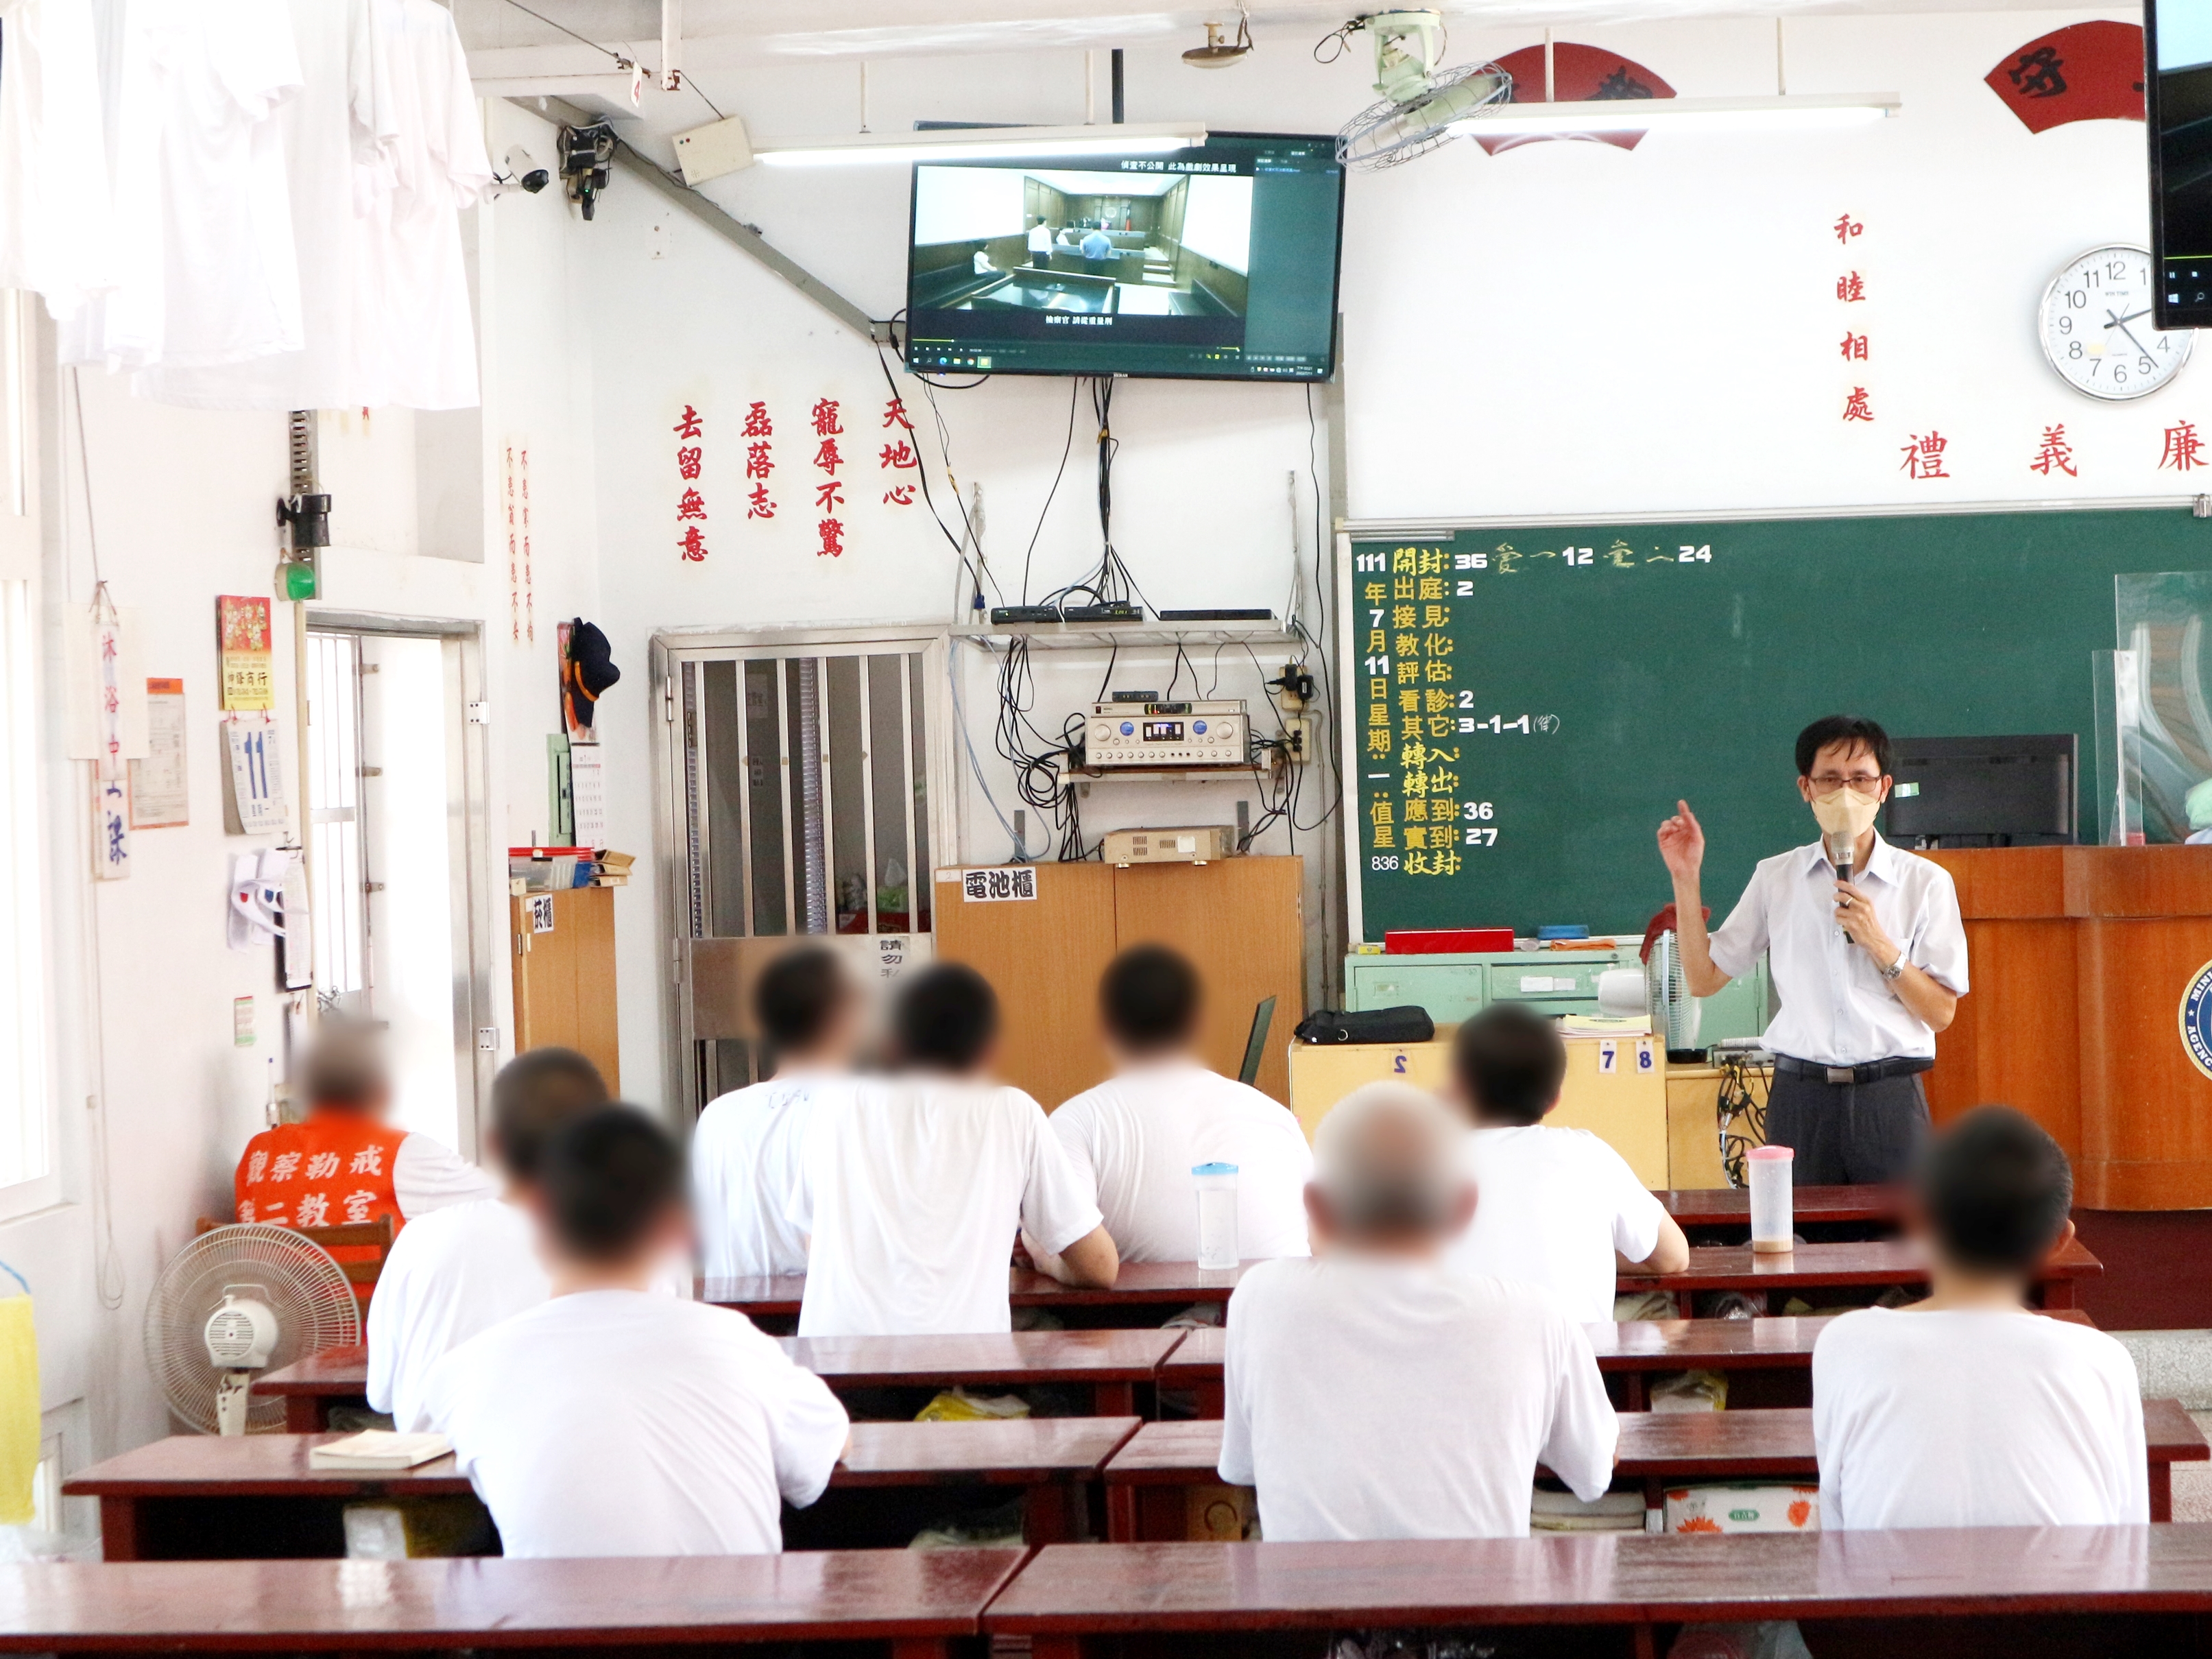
[378, 1448]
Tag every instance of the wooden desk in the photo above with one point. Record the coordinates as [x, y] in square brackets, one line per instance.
[1108, 1363]
[190, 1496]
[1143, 1290]
[917, 1603]
[1631, 1349]
[2037, 1584]
[1702, 1211]
[1821, 1267]
[310, 1387]
[1146, 1480]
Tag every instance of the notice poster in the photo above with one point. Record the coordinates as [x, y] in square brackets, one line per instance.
[158, 795]
[242, 624]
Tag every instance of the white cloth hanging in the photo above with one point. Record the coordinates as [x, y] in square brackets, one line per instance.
[56, 230]
[336, 129]
[206, 271]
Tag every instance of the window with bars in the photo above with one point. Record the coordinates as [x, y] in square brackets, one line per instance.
[806, 793]
[337, 820]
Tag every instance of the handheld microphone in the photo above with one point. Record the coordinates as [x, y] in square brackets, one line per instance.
[1840, 845]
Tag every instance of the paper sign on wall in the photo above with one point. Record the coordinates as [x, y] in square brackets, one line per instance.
[541, 913]
[1018, 881]
[242, 628]
[256, 777]
[1609, 1057]
[159, 798]
[103, 716]
[587, 795]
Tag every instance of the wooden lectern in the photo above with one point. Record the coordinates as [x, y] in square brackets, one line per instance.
[2080, 958]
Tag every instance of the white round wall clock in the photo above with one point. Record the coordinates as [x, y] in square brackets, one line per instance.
[2095, 327]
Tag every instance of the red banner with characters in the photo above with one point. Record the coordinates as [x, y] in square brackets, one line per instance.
[1579, 75]
[2083, 72]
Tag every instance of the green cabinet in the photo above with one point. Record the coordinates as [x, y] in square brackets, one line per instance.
[1455, 987]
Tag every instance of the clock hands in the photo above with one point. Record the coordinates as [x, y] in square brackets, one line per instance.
[2114, 320]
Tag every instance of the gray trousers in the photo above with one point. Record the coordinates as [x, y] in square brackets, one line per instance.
[1847, 1133]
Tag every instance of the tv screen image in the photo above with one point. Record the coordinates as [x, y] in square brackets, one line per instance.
[1218, 262]
[2177, 39]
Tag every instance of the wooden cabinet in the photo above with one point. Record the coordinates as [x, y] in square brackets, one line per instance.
[2079, 959]
[1239, 919]
[564, 975]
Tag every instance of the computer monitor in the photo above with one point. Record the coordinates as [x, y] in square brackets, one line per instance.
[1984, 792]
[1255, 1045]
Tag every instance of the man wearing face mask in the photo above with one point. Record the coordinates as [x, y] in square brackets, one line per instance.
[1868, 969]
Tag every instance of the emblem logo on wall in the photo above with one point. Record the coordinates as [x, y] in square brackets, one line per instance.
[2196, 1019]
[2084, 72]
[1580, 74]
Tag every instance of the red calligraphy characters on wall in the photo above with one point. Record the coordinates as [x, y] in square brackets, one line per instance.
[2055, 451]
[2184, 450]
[828, 494]
[690, 430]
[1923, 456]
[760, 460]
[1856, 407]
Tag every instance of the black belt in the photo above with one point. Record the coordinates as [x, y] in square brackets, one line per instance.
[1873, 1071]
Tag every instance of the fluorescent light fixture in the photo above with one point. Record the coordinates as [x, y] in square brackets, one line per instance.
[622, 90]
[982, 144]
[1804, 112]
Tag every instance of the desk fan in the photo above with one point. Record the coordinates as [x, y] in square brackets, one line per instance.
[235, 1302]
[1420, 102]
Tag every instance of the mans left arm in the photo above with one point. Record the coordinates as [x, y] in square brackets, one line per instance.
[1931, 1001]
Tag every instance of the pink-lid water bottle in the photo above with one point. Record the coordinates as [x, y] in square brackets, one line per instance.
[1768, 1169]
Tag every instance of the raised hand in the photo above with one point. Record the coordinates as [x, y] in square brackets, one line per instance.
[1682, 843]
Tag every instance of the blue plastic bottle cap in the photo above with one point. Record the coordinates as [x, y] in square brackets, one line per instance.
[1213, 1168]
[1199, 727]
[1127, 728]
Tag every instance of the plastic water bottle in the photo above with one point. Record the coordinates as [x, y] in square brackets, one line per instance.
[1768, 1170]
[1216, 1213]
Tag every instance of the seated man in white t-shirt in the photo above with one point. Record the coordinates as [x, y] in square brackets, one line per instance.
[1559, 1207]
[1968, 1409]
[912, 1187]
[1138, 1137]
[462, 1269]
[614, 1420]
[744, 1151]
[1372, 1391]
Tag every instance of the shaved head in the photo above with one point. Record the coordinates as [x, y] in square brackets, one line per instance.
[1387, 1165]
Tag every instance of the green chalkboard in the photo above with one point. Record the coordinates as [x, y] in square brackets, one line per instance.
[1572, 684]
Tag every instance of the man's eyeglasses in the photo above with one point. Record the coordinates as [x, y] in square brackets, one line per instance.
[1828, 783]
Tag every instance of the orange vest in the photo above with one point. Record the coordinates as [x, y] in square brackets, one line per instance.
[334, 1167]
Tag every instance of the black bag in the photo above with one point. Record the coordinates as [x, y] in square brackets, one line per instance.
[1410, 1024]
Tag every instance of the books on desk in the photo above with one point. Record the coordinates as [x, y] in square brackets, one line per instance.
[378, 1448]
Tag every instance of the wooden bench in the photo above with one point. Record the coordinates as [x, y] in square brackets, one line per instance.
[1876, 1263]
[1628, 1352]
[1706, 1212]
[194, 1497]
[1142, 1293]
[1147, 1481]
[2013, 1592]
[1110, 1364]
[908, 1604]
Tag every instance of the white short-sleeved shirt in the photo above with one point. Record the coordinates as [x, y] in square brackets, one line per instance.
[1377, 1397]
[1137, 1138]
[1837, 1009]
[1976, 1419]
[451, 1274]
[428, 1175]
[1551, 1207]
[912, 1189]
[624, 1423]
[744, 1166]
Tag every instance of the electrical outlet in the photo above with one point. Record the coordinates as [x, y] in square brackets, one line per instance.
[1302, 733]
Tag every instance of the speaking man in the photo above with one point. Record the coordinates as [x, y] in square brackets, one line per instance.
[1868, 957]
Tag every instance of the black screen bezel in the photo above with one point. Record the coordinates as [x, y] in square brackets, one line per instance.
[1335, 293]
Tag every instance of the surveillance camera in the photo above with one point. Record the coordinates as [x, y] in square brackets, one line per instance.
[523, 169]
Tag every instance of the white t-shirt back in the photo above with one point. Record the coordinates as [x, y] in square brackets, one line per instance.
[1376, 1397]
[1137, 1137]
[1976, 1419]
[1552, 1206]
[624, 1423]
[745, 1167]
[451, 1274]
[913, 1189]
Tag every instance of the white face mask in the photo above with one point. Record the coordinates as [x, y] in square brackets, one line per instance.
[1845, 812]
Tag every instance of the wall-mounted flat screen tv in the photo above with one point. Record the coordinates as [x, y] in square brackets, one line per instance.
[1218, 262]
[2178, 105]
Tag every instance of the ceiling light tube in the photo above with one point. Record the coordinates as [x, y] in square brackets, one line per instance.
[1804, 111]
[983, 144]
